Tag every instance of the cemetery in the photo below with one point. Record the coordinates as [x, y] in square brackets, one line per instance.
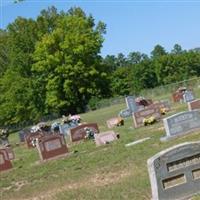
[80, 120]
[162, 158]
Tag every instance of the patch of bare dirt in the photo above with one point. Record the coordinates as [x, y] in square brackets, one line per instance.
[98, 179]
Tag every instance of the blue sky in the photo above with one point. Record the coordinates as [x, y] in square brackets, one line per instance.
[131, 25]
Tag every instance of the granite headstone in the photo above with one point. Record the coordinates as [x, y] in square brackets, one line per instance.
[131, 103]
[181, 123]
[175, 172]
[188, 96]
[51, 146]
[5, 163]
[139, 116]
[194, 105]
[78, 133]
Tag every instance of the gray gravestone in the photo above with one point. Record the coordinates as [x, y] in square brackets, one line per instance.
[125, 113]
[181, 124]
[188, 96]
[175, 172]
[131, 104]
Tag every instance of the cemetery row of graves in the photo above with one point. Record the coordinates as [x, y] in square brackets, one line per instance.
[174, 172]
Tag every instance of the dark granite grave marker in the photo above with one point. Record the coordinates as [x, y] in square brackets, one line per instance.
[5, 163]
[78, 133]
[194, 105]
[181, 124]
[51, 146]
[175, 172]
[32, 136]
[139, 116]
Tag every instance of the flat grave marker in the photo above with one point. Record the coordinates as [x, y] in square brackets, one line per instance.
[175, 172]
[5, 163]
[194, 105]
[146, 113]
[78, 133]
[105, 137]
[51, 146]
[181, 123]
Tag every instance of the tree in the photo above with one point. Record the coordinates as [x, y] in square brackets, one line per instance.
[136, 57]
[68, 60]
[121, 60]
[158, 51]
[4, 52]
[177, 49]
[143, 76]
[120, 81]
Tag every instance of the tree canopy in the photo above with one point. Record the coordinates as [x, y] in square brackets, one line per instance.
[52, 64]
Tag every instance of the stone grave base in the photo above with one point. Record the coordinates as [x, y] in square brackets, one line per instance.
[168, 138]
[55, 157]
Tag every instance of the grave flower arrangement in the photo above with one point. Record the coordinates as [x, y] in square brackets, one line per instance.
[149, 121]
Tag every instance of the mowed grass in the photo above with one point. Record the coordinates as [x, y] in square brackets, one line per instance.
[112, 171]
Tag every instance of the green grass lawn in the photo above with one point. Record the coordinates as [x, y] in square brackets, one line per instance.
[112, 171]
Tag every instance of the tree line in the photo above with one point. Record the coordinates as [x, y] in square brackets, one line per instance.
[52, 64]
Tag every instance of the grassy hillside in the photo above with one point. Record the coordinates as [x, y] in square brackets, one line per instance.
[108, 172]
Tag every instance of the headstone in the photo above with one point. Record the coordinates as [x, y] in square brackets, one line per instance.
[10, 152]
[125, 113]
[22, 133]
[175, 172]
[32, 136]
[146, 113]
[188, 96]
[181, 123]
[194, 105]
[161, 104]
[5, 163]
[65, 128]
[105, 138]
[78, 133]
[131, 104]
[115, 121]
[177, 96]
[51, 146]
[21, 136]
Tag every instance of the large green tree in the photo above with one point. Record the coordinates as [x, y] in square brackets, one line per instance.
[68, 60]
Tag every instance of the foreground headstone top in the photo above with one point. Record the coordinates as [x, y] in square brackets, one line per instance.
[181, 123]
[175, 172]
